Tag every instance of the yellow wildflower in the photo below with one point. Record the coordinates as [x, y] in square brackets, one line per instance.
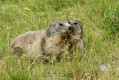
[27, 9]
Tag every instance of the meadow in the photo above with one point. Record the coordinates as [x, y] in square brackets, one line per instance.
[100, 19]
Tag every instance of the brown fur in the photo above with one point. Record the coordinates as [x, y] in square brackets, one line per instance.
[76, 37]
[38, 44]
[24, 40]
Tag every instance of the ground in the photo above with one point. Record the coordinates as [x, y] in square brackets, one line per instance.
[100, 19]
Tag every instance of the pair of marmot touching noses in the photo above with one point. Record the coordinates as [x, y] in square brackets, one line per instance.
[50, 43]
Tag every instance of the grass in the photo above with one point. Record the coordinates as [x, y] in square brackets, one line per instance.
[100, 20]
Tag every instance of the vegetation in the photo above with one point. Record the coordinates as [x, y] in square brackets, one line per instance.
[100, 20]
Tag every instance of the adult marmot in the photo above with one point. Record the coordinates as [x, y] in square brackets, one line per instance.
[76, 36]
[44, 43]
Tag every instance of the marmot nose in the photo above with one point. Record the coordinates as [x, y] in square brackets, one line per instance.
[70, 28]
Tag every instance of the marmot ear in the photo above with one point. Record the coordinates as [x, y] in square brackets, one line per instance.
[49, 30]
[53, 24]
[80, 23]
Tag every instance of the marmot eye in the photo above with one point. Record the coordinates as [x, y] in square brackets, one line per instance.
[75, 23]
[61, 24]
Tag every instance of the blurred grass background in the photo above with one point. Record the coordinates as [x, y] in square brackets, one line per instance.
[100, 20]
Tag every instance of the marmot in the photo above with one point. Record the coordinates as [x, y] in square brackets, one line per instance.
[48, 43]
[76, 37]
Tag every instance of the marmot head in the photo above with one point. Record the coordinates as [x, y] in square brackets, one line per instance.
[77, 31]
[59, 27]
[76, 28]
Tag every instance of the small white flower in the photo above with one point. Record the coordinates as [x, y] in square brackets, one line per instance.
[103, 67]
[3, 9]
[23, 14]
